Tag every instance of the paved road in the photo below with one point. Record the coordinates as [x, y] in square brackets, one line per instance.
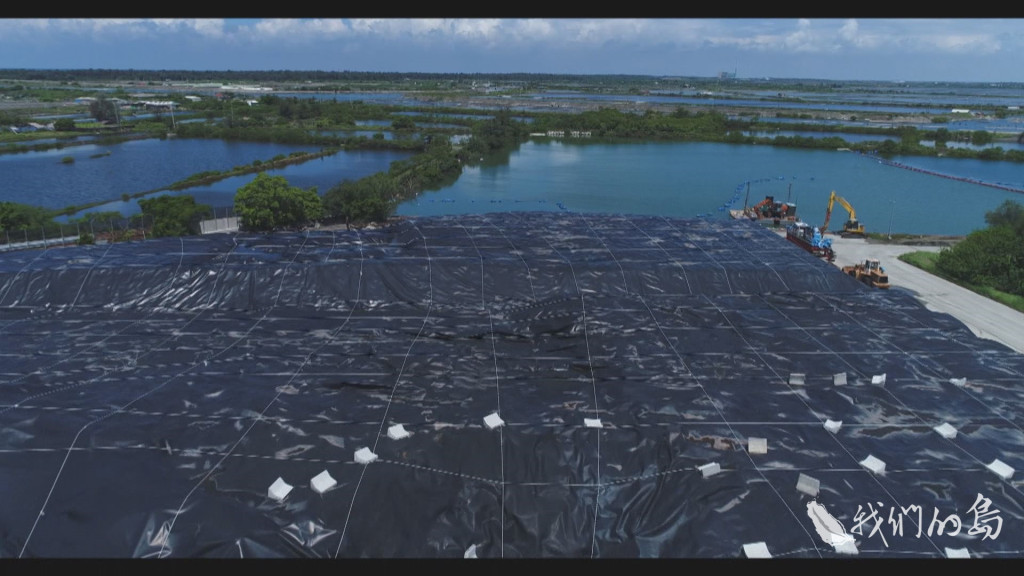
[985, 317]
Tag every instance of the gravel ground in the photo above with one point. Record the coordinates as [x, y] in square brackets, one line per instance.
[986, 318]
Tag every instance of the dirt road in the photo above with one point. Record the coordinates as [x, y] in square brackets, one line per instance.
[985, 317]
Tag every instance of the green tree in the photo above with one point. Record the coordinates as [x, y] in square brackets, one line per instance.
[173, 215]
[989, 257]
[270, 203]
[888, 148]
[981, 137]
[64, 125]
[370, 199]
[909, 135]
[103, 110]
[1010, 214]
[992, 257]
[97, 216]
[403, 123]
[14, 216]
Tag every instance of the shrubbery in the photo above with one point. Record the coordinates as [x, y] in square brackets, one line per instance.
[993, 256]
[270, 203]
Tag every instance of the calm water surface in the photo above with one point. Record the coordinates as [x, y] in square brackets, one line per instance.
[706, 180]
[105, 172]
[672, 179]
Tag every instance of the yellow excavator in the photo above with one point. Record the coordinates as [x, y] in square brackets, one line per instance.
[852, 227]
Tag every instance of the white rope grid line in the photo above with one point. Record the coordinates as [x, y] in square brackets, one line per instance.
[658, 244]
[108, 336]
[735, 435]
[105, 371]
[220, 274]
[108, 414]
[835, 437]
[916, 415]
[710, 258]
[691, 373]
[502, 482]
[13, 280]
[115, 411]
[529, 275]
[593, 385]
[394, 387]
[924, 423]
[163, 553]
[89, 273]
[625, 285]
[725, 421]
[497, 383]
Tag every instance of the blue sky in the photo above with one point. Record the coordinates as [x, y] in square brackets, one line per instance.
[931, 49]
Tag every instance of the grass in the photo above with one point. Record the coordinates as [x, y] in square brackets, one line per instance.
[927, 261]
[923, 260]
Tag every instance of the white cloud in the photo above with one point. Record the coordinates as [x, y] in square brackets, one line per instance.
[808, 38]
[535, 29]
[848, 31]
[487, 29]
[274, 28]
[109, 30]
[580, 41]
[964, 43]
[427, 26]
[291, 31]
[11, 27]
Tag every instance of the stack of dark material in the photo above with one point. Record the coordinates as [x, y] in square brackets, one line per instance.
[494, 386]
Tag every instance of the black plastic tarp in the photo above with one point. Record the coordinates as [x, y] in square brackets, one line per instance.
[151, 393]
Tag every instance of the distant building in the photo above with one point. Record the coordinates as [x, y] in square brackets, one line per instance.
[159, 104]
[31, 127]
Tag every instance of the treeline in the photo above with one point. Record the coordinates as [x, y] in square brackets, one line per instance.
[302, 76]
[712, 126]
[992, 257]
[270, 203]
[584, 81]
[651, 125]
[294, 135]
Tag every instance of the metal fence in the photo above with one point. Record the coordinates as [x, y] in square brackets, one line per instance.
[103, 231]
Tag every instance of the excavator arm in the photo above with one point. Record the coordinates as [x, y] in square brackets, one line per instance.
[828, 211]
[853, 215]
[852, 225]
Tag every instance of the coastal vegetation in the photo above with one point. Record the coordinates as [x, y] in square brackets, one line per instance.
[269, 203]
[15, 216]
[173, 215]
[429, 131]
[992, 256]
[989, 261]
[375, 197]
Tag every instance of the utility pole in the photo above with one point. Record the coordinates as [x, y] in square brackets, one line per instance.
[892, 208]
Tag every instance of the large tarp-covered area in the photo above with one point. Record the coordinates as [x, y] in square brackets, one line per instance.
[494, 386]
